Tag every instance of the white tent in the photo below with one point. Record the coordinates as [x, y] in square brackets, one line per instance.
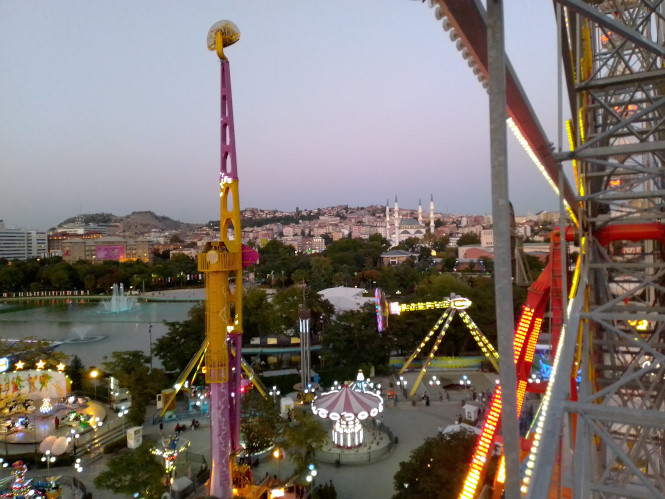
[345, 299]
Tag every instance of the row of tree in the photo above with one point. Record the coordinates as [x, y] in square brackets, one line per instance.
[49, 274]
[347, 262]
[344, 336]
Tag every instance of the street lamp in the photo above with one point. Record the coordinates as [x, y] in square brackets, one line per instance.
[434, 381]
[48, 458]
[465, 381]
[279, 455]
[274, 393]
[150, 343]
[310, 476]
[123, 412]
[73, 438]
[93, 375]
[402, 382]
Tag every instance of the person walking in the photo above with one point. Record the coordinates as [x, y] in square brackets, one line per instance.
[57, 423]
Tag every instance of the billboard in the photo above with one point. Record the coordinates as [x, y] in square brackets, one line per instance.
[110, 252]
[33, 383]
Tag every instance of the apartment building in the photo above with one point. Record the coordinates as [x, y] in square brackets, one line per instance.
[22, 244]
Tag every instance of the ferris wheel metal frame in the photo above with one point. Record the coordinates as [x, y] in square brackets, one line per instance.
[609, 425]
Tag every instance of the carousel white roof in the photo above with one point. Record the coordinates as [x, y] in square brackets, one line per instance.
[347, 404]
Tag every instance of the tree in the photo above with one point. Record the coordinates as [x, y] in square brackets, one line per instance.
[487, 263]
[436, 243]
[11, 278]
[132, 472]
[320, 273]
[302, 438]
[468, 239]
[290, 301]
[258, 313]
[260, 422]
[411, 244]
[352, 340]
[132, 371]
[75, 372]
[177, 347]
[437, 468]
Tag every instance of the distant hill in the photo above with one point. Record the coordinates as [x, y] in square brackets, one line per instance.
[137, 222]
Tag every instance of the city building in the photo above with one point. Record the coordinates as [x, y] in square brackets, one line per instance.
[396, 257]
[107, 248]
[22, 244]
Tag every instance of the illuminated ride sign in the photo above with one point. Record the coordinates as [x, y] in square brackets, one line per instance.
[381, 310]
[455, 301]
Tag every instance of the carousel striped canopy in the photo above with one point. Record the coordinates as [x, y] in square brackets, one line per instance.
[347, 404]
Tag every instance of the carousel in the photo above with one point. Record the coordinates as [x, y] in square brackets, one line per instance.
[347, 408]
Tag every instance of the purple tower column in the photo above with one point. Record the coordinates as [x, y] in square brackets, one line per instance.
[222, 262]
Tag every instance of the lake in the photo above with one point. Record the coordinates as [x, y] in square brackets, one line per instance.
[87, 329]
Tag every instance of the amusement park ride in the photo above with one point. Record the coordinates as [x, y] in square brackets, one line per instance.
[454, 304]
[599, 430]
[604, 404]
[220, 262]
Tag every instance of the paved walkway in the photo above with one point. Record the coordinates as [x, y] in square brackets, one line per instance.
[411, 425]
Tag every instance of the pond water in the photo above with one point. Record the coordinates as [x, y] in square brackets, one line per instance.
[87, 329]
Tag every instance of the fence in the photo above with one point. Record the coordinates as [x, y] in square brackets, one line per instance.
[360, 455]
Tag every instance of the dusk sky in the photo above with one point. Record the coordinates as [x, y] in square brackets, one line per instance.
[114, 107]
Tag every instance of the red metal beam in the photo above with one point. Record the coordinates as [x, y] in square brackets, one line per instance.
[467, 18]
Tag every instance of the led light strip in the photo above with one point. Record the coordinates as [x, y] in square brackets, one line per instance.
[525, 145]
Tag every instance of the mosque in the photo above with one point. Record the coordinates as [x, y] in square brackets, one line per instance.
[403, 228]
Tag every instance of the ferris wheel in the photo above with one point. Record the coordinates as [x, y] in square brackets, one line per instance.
[608, 421]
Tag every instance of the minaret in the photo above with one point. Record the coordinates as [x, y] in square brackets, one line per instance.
[396, 222]
[431, 214]
[387, 220]
[420, 211]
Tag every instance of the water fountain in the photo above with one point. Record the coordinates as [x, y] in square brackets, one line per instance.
[82, 335]
[119, 302]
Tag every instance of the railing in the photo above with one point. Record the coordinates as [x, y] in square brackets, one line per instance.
[178, 416]
[362, 454]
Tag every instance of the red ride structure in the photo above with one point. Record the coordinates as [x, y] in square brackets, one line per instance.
[604, 406]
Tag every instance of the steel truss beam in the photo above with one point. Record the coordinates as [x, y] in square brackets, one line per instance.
[614, 419]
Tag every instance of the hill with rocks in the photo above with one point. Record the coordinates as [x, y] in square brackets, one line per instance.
[136, 222]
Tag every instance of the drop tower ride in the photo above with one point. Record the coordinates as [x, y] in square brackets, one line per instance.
[222, 262]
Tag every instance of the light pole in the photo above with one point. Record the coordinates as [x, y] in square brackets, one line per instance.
[279, 455]
[150, 343]
[73, 438]
[123, 412]
[93, 375]
[465, 382]
[274, 393]
[402, 382]
[310, 476]
[48, 458]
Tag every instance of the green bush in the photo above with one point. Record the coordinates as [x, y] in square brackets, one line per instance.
[115, 445]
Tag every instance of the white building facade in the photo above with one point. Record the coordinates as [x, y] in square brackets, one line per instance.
[22, 244]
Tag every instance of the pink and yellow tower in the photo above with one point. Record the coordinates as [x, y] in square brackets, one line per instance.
[222, 262]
